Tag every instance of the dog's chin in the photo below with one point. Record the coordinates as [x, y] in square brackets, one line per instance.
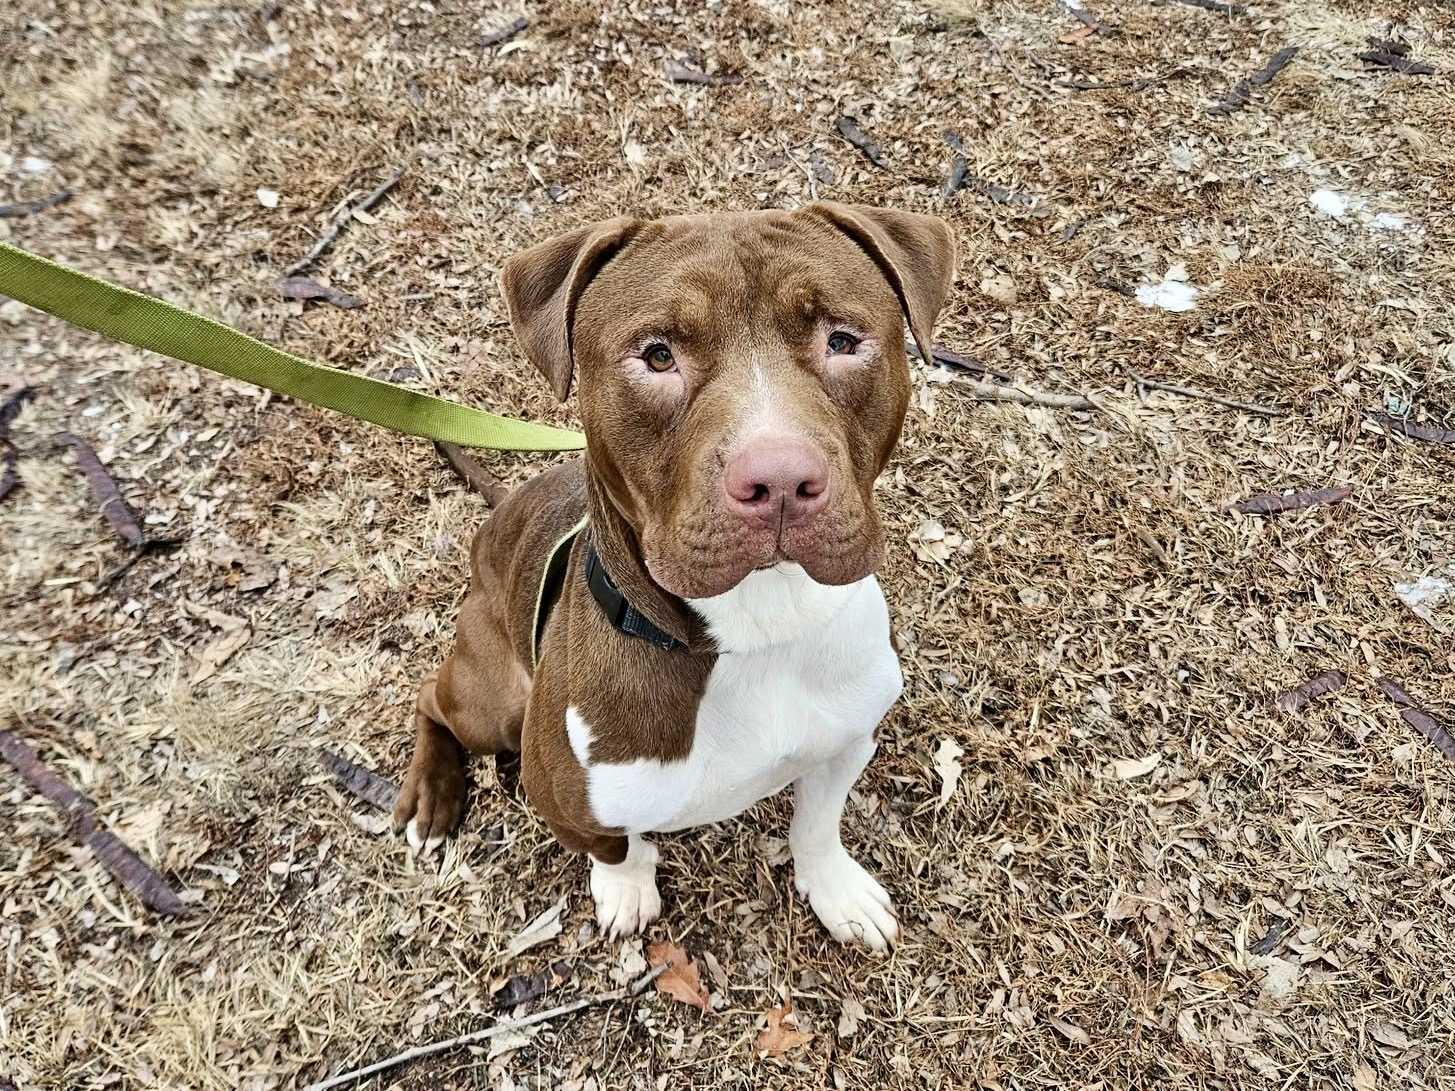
[689, 578]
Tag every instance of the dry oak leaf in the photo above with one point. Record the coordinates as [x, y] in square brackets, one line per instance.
[947, 764]
[681, 981]
[1131, 768]
[782, 1032]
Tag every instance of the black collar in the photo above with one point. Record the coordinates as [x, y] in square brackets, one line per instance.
[621, 613]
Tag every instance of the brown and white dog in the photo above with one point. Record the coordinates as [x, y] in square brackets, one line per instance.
[717, 632]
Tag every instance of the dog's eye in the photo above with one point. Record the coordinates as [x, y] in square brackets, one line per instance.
[658, 357]
[842, 344]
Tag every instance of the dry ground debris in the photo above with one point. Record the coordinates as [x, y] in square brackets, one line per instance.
[1264, 901]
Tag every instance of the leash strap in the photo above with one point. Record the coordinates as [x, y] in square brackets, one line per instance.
[148, 323]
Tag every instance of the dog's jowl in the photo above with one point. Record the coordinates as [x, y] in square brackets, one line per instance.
[687, 620]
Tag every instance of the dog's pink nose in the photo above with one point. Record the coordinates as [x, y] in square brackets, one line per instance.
[777, 481]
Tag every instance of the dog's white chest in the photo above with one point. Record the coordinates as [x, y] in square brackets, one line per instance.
[773, 708]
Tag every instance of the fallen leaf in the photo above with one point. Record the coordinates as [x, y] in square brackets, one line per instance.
[1320, 684]
[1131, 768]
[1001, 289]
[1280, 976]
[947, 764]
[849, 129]
[1363, 1078]
[219, 652]
[1390, 1036]
[635, 154]
[1264, 1065]
[850, 1017]
[268, 198]
[1071, 37]
[681, 981]
[715, 970]
[510, 1041]
[523, 988]
[782, 1032]
[545, 927]
[1071, 1032]
[307, 288]
[504, 33]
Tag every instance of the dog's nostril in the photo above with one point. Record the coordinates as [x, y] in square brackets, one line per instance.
[760, 493]
[807, 490]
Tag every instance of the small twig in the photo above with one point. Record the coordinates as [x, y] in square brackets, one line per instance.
[1429, 433]
[127, 867]
[1440, 738]
[108, 497]
[951, 358]
[1242, 92]
[472, 473]
[1271, 503]
[1132, 84]
[1203, 395]
[327, 238]
[29, 208]
[680, 73]
[1294, 699]
[1019, 395]
[16, 397]
[1270, 938]
[1217, 6]
[1395, 56]
[358, 781]
[635, 989]
[1081, 15]
[505, 33]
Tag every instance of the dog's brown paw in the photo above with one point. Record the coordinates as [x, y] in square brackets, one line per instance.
[431, 802]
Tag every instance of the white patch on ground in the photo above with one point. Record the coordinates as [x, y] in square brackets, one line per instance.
[1173, 294]
[1346, 206]
[1329, 202]
[1429, 597]
[33, 165]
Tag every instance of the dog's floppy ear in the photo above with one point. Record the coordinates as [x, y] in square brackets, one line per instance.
[542, 286]
[916, 253]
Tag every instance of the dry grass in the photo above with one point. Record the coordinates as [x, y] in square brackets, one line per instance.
[1066, 928]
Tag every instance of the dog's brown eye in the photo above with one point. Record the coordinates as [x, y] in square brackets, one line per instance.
[659, 358]
[842, 344]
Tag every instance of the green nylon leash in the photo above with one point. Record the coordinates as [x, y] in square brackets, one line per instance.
[147, 323]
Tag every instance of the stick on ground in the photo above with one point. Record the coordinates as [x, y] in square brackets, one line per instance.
[1017, 395]
[109, 500]
[1440, 738]
[1429, 433]
[1271, 503]
[635, 989]
[327, 238]
[30, 208]
[1242, 92]
[1203, 395]
[472, 473]
[129, 869]
[358, 781]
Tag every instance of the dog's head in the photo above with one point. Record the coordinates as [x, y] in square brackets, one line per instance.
[742, 377]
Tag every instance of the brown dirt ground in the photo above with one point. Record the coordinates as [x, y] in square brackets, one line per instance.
[1091, 603]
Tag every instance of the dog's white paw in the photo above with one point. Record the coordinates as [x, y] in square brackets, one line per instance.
[849, 901]
[626, 893]
[422, 845]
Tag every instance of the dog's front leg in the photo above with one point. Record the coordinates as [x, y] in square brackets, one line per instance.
[625, 893]
[849, 901]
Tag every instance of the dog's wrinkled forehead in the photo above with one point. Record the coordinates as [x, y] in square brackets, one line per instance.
[698, 275]
[708, 278]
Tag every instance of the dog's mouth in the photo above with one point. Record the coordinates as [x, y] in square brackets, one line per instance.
[827, 558]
